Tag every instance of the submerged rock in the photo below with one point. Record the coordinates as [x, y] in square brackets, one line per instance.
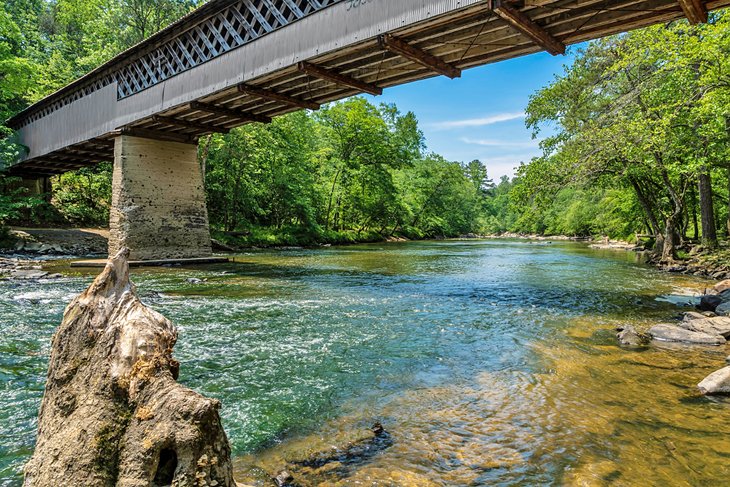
[112, 413]
[671, 333]
[717, 382]
[628, 336]
[284, 479]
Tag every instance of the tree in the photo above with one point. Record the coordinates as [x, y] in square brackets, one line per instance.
[631, 113]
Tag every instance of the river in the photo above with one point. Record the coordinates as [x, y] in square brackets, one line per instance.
[488, 362]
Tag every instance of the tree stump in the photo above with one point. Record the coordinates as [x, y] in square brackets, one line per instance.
[112, 413]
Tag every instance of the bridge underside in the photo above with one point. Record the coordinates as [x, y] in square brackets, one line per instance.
[480, 34]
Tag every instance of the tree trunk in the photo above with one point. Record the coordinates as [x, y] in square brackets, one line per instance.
[650, 215]
[112, 413]
[707, 211]
[695, 222]
[728, 202]
[669, 250]
[329, 203]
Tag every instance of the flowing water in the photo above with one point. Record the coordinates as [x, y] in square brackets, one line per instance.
[487, 362]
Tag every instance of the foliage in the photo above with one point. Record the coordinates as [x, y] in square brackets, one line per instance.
[639, 118]
[351, 172]
[84, 196]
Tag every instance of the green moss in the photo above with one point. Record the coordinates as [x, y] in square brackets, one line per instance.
[107, 441]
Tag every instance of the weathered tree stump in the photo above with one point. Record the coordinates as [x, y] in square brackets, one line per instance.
[112, 413]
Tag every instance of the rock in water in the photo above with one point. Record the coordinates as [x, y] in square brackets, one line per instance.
[629, 337]
[722, 286]
[717, 382]
[709, 302]
[671, 333]
[692, 315]
[112, 413]
[719, 325]
[723, 309]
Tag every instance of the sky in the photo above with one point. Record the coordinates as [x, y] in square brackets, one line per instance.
[480, 115]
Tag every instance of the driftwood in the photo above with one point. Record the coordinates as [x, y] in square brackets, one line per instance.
[113, 413]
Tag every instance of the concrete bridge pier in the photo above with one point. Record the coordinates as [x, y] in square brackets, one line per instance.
[158, 200]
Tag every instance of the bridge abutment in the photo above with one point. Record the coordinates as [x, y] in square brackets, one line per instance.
[158, 200]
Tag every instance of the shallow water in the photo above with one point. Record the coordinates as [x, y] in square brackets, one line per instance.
[488, 362]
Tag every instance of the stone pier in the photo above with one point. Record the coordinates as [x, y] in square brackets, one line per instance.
[158, 201]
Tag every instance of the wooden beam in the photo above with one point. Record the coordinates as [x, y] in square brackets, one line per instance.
[338, 78]
[202, 127]
[274, 96]
[158, 135]
[77, 158]
[227, 112]
[694, 10]
[91, 153]
[525, 25]
[399, 46]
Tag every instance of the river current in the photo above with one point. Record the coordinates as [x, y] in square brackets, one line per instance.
[487, 362]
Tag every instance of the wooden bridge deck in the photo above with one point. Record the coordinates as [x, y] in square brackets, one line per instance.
[334, 50]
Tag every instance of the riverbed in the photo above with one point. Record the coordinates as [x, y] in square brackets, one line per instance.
[488, 363]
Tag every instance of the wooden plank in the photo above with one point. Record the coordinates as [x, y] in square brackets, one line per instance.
[524, 24]
[201, 127]
[274, 96]
[158, 135]
[237, 115]
[337, 78]
[399, 46]
[694, 10]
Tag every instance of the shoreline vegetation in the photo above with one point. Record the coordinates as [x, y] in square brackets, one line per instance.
[21, 245]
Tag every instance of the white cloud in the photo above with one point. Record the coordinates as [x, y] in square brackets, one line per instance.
[499, 143]
[505, 165]
[479, 122]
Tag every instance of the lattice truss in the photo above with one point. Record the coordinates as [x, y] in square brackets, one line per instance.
[240, 23]
[234, 26]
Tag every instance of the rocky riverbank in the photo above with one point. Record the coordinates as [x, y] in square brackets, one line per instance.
[59, 241]
[709, 325]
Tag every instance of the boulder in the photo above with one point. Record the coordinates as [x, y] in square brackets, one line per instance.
[724, 295]
[671, 333]
[628, 336]
[717, 382]
[709, 302]
[723, 309]
[720, 325]
[112, 413]
[28, 274]
[692, 315]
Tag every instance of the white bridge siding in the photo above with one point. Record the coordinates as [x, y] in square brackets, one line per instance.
[333, 28]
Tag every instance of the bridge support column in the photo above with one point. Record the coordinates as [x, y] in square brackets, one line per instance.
[158, 200]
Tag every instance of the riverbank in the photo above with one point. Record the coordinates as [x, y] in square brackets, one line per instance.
[81, 242]
[92, 242]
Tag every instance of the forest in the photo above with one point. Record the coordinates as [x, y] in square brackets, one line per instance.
[635, 139]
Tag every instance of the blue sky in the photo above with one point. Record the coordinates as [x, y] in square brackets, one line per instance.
[480, 115]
